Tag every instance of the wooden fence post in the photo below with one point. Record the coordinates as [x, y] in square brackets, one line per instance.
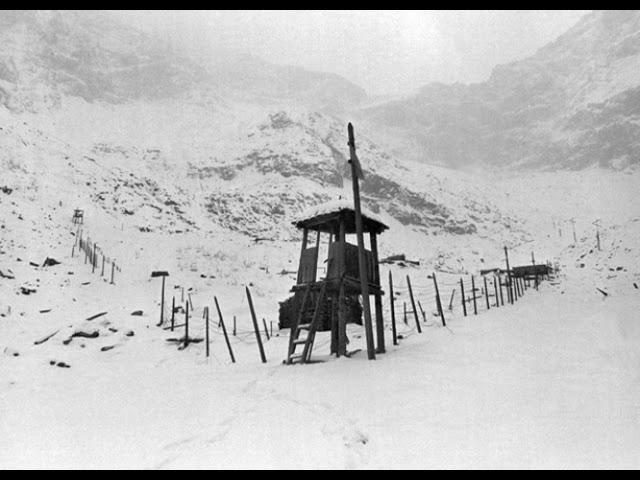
[464, 300]
[393, 312]
[206, 328]
[413, 304]
[404, 306]
[495, 288]
[509, 285]
[93, 259]
[435, 284]
[486, 292]
[224, 330]
[113, 267]
[473, 288]
[266, 332]
[173, 312]
[453, 292]
[102, 273]
[186, 326]
[234, 325]
[424, 316]
[255, 326]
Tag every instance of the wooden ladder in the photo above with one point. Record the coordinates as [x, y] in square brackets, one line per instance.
[311, 328]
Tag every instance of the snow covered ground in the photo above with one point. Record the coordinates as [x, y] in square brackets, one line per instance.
[550, 382]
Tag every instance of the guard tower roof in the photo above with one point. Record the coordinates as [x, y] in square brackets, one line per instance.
[326, 218]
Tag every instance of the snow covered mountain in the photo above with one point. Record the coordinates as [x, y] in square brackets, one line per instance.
[176, 144]
[573, 104]
[46, 55]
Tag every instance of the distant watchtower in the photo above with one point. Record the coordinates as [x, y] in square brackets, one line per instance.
[78, 217]
[330, 302]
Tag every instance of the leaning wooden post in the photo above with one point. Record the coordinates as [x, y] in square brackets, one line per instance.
[486, 292]
[356, 172]
[224, 330]
[393, 311]
[413, 304]
[255, 326]
[404, 307]
[113, 267]
[501, 295]
[234, 325]
[464, 301]
[266, 332]
[473, 289]
[102, 273]
[424, 316]
[510, 289]
[94, 257]
[495, 288]
[453, 292]
[435, 284]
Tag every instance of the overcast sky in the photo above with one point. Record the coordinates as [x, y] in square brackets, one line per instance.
[383, 52]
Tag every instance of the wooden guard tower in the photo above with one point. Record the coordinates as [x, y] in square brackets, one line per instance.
[78, 216]
[319, 301]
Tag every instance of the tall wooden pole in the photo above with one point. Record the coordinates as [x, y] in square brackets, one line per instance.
[495, 288]
[464, 300]
[413, 304]
[362, 260]
[393, 311]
